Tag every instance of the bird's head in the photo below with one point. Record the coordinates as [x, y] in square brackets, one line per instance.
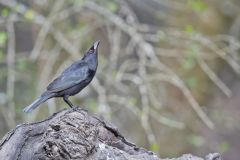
[93, 49]
[91, 56]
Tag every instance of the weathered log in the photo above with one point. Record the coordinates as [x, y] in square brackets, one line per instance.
[74, 134]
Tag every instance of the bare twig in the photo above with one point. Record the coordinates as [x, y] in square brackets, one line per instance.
[11, 72]
[214, 77]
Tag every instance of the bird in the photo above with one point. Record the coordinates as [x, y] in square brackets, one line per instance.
[72, 80]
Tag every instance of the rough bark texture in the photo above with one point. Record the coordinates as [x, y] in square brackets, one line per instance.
[74, 134]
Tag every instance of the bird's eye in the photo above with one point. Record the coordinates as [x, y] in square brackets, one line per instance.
[91, 50]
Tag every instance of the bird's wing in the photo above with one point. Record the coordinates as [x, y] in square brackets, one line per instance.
[70, 77]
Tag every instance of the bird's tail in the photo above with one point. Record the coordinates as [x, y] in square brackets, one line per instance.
[38, 101]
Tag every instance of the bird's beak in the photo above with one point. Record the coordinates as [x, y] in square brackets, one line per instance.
[95, 45]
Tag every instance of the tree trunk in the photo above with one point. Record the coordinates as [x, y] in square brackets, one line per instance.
[74, 134]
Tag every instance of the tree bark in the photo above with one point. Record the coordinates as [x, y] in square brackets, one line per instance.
[74, 134]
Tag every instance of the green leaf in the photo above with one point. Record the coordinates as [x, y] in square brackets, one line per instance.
[92, 105]
[132, 101]
[112, 6]
[224, 147]
[192, 82]
[196, 140]
[22, 64]
[190, 60]
[188, 64]
[29, 14]
[155, 147]
[5, 12]
[3, 38]
[189, 29]
[197, 5]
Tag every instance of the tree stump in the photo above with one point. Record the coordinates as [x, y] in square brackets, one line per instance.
[74, 134]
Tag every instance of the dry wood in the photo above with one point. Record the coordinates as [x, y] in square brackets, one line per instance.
[73, 134]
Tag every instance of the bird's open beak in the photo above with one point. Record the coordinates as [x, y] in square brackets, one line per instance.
[95, 45]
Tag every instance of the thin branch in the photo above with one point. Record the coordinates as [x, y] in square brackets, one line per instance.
[11, 72]
[39, 19]
[186, 92]
[214, 77]
[166, 121]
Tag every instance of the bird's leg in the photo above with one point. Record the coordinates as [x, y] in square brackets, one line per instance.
[65, 98]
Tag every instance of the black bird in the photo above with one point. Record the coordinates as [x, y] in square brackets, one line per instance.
[72, 80]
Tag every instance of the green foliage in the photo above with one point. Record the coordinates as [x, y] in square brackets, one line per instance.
[189, 29]
[196, 140]
[224, 147]
[92, 105]
[190, 60]
[5, 12]
[3, 38]
[192, 82]
[132, 101]
[189, 63]
[29, 14]
[22, 64]
[18, 109]
[197, 5]
[112, 6]
[155, 147]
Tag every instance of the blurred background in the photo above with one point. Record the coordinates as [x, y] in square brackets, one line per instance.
[168, 74]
